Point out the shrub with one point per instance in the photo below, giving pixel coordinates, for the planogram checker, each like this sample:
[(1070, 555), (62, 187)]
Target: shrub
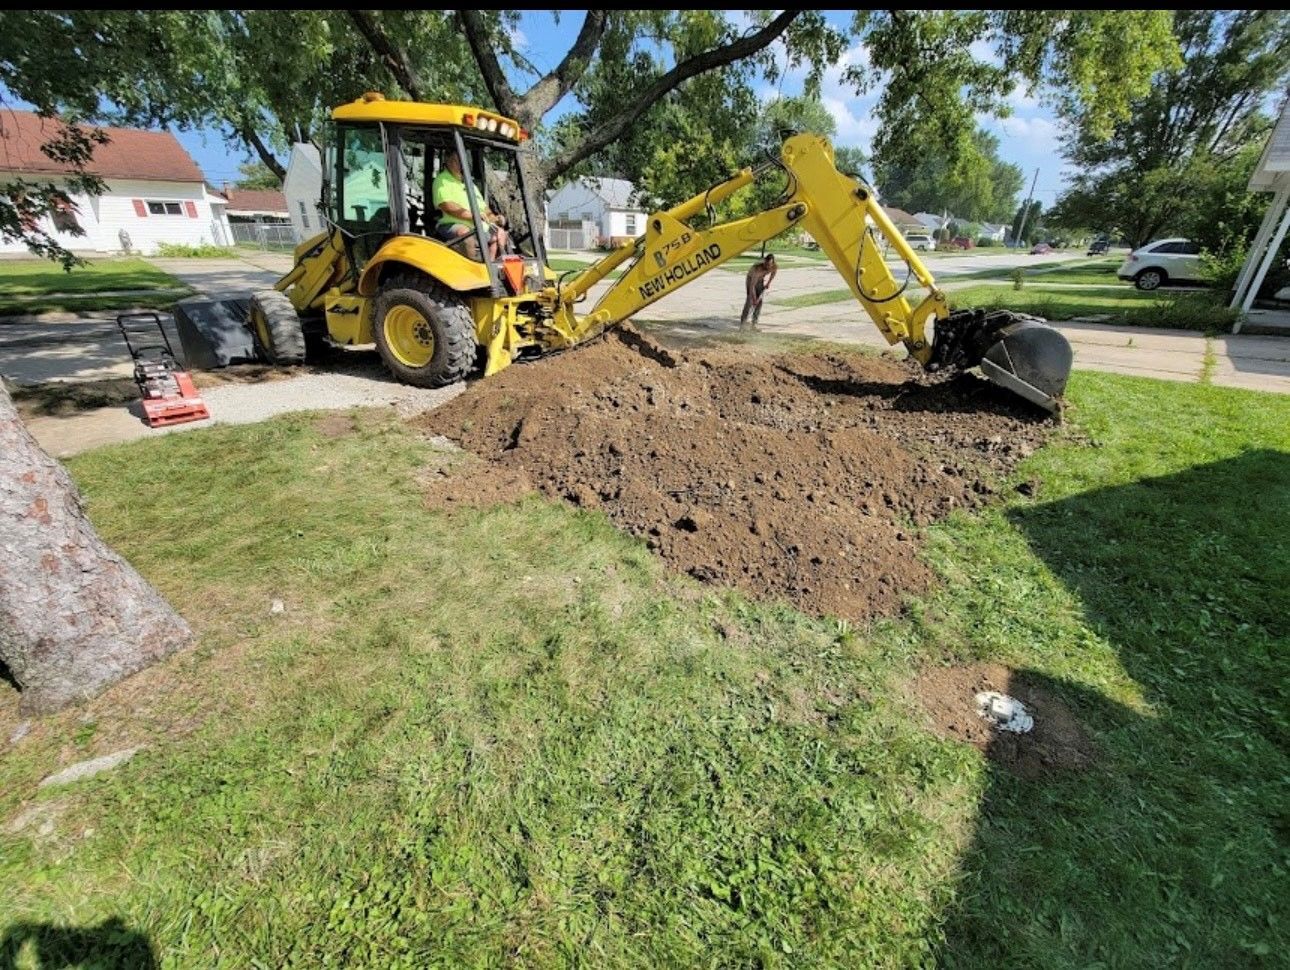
[(988, 241), (183, 250), (1220, 269), (1018, 278)]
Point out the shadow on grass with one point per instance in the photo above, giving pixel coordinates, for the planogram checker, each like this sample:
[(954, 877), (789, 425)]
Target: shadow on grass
[(1171, 849), (45, 946)]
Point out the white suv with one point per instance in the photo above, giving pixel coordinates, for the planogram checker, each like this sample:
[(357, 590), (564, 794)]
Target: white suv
[(1162, 261), (917, 242)]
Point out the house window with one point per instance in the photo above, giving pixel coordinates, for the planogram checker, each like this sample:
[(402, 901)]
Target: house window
[(304, 212), (165, 208), (64, 217), (631, 223), (587, 216)]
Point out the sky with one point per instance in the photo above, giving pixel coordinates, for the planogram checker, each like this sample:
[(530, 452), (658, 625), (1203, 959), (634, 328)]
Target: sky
[(1027, 138)]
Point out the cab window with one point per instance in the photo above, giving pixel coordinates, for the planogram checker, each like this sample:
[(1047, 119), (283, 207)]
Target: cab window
[(364, 184)]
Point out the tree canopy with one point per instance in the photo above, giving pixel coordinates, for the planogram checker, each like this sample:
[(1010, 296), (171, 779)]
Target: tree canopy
[(1181, 160), (673, 86), (973, 183)]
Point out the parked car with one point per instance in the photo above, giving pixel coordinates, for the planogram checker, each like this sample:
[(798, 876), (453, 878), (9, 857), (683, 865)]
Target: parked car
[(1098, 247), (920, 241), (961, 242), (1162, 261), (1038, 249)]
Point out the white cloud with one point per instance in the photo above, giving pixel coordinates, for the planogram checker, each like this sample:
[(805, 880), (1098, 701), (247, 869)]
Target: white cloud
[(1038, 131), (854, 127), (1019, 100), (519, 40), (983, 50)]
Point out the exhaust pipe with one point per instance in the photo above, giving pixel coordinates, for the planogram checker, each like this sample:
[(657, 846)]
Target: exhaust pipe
[(1018, 352)]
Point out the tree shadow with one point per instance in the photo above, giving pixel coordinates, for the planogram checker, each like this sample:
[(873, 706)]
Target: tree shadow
[(45, 946), (1170, 848)]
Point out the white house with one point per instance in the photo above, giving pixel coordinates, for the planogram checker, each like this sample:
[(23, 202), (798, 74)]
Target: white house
[(990, 230), (155, 191), (1271, 175), (606, 202), (302, 187)]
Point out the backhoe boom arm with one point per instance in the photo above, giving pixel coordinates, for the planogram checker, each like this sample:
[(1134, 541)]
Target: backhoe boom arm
[(842, 215)]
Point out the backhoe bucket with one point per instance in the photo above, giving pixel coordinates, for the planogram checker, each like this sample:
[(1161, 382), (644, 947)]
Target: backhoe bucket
[(1031, 359)]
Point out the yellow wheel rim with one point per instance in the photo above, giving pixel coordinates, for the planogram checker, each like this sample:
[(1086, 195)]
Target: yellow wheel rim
[(409, 336), (262, 330)]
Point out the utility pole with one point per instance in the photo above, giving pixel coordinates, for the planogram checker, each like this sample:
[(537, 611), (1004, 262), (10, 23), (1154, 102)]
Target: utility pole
[(1025, 212)]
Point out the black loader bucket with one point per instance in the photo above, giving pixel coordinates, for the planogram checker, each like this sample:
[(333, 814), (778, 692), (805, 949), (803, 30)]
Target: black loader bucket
[(1018, 352), (1029, 358)]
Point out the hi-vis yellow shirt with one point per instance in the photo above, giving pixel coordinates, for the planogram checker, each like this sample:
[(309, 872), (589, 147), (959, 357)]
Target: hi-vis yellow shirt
[(446, 187)]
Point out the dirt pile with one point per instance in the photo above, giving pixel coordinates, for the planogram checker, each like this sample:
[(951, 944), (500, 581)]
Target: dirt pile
[(793, 476), (1057, 742)]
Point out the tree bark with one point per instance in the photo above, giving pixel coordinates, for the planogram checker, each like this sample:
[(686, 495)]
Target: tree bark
[(74, 616)]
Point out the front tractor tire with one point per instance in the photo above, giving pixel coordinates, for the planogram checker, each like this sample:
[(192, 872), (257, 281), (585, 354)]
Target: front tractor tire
[(279, 335), (424, 332)]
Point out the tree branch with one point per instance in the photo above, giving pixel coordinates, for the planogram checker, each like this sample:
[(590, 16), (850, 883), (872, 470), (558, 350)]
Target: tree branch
[(391, 55), (249, 135), (499, 89), (707, 61), (547, 92)]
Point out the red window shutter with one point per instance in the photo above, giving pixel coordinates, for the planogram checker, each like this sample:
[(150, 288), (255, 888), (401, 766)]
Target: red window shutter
[(192, 209), (140, 209)]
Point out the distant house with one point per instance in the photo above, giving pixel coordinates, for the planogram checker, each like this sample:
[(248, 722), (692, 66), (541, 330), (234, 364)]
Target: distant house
[(606, 202), (256, 205), (905, 222), (155, 193), (995, 233), (932, 222)]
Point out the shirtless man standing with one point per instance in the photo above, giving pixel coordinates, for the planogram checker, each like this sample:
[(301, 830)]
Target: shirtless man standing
[(757, 283)]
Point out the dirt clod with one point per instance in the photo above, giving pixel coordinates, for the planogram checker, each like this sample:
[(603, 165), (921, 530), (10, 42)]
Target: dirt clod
[(1058, 742), (799, 477)]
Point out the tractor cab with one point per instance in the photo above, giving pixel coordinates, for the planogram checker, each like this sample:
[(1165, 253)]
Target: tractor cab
[(381, 167)]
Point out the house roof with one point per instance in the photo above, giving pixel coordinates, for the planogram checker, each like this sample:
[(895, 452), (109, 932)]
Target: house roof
[(129, 154), (932, 221), (255, 200), (615, 193), (1275, 159), (899, 216)]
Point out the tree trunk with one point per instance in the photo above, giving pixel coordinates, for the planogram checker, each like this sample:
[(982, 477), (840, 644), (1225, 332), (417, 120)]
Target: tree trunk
[(536, 182), (74, 616)]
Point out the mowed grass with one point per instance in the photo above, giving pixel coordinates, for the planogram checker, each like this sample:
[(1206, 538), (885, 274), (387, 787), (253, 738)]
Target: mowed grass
[(36, 285), (1203, 311), (1088, 270), (508, 736)]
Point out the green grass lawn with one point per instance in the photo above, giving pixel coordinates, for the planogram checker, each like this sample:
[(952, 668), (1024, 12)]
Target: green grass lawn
[(1127, 307), (1083, 271), (27, 285), (508, 736)]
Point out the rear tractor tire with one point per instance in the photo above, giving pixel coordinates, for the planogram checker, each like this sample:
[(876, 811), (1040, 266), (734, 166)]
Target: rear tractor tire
[(279, 335), (424, 332)]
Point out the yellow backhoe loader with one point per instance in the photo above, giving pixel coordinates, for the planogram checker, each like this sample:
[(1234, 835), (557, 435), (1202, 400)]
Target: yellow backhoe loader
[(439, 305)]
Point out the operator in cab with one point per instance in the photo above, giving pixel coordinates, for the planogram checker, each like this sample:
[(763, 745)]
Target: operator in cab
[(448, 194)]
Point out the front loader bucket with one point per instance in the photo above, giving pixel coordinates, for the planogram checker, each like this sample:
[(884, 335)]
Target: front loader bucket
[(1031, 359)]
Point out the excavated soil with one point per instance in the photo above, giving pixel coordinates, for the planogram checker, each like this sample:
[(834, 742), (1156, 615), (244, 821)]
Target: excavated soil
[(801, 477), (1058, 742)]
